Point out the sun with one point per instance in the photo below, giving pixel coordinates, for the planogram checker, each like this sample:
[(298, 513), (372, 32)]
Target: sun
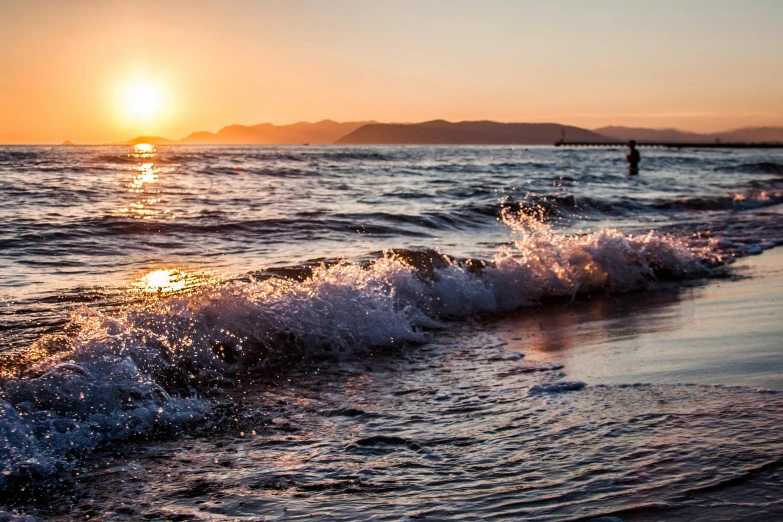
[(142, 100)]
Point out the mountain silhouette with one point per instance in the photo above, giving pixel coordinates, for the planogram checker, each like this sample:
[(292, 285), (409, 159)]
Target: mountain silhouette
[(152, 140), (753, 134), (441, 132), (642, 134), (322, 132), (746, 135)]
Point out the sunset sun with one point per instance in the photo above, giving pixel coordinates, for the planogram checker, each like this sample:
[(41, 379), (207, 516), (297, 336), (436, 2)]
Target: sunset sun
[(142, 100)]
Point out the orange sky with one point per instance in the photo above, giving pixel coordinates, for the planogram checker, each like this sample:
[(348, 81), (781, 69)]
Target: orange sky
[(66, 66)]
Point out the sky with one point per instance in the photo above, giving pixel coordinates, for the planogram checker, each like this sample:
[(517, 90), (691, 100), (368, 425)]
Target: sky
[(103, 71)]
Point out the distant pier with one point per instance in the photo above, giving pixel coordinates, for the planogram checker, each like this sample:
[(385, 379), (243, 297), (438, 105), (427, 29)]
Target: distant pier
[(710, 145)]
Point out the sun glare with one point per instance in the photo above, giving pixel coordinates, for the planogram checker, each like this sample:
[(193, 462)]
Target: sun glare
[(171, 280), (164, 280), (142, 101)]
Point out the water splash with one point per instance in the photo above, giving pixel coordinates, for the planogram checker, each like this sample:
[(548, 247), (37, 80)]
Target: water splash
[(155, 365)]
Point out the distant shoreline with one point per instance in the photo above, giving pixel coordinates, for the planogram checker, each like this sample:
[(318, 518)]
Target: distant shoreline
[(441, 132), (737, 146)]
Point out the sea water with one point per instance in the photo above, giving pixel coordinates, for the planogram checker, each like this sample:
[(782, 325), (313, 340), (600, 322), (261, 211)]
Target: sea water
[(204, 333)]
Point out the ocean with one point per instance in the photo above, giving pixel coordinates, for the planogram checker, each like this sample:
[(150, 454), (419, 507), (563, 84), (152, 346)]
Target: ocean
[(286, 333)]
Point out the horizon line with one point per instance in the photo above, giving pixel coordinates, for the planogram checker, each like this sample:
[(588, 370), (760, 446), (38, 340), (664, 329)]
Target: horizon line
[(68, 142)]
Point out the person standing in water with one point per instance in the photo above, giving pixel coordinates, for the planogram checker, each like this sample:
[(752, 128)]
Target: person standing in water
[(633, 158)]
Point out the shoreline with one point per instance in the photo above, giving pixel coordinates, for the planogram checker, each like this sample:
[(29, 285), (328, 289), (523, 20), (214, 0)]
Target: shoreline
[(725, 332)]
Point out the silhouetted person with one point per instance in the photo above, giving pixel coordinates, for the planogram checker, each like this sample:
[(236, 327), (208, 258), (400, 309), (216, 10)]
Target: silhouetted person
[(633, 158)]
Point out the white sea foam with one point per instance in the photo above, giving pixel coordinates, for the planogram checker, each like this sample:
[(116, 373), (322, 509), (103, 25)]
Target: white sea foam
[(150, 367)]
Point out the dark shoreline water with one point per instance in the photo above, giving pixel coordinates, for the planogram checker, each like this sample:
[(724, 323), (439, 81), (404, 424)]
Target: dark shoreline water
[(250, 332), (459, 429)]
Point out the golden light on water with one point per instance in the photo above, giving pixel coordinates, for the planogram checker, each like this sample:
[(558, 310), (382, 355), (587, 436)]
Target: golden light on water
[(171, 280), (164, 280), (143, 150), (146, 173)]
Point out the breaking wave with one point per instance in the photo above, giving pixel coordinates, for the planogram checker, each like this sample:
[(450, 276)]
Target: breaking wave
[(161, 365)]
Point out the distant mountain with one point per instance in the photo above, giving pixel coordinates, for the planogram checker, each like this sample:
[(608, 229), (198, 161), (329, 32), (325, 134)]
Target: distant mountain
[(642, 134), (441, 132), (152, 140), (747, 135), (322, 132), (752, 134)]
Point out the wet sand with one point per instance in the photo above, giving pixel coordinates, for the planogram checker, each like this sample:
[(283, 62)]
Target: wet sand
[(727, 331)]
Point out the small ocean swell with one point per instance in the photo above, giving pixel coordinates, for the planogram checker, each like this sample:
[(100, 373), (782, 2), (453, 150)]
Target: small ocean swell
[(762, 194), (161, 365), (569, 206), (13, 155), (118, 158), (739, 201), (761, 167)]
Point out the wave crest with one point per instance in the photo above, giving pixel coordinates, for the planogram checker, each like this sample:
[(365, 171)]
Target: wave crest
[(155, 366)]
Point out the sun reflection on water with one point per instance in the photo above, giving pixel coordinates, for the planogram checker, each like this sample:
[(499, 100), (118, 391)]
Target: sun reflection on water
[(144, 174), (144, 150), (164, 281), (170, 280)]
